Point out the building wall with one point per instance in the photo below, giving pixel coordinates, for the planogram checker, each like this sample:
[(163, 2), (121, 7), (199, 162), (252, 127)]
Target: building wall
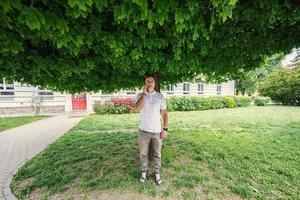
[(23, 96), (208, 90), (22, 99)]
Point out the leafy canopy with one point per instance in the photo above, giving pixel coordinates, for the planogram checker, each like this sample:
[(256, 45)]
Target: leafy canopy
[(77, 45)]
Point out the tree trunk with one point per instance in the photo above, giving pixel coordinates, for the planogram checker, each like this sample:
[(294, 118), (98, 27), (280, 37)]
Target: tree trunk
[(157, 82), (243, 92)]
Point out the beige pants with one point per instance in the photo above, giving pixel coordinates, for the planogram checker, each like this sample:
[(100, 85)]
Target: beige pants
[(149, 140)]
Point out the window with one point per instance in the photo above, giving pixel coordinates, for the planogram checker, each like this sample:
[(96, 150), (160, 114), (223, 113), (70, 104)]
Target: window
[(45, 93), (200, 88), (1, 84), (130, 93), (9, 86), (219, 89), (186, 88), (171, 88), (6, 89), (6, 93)]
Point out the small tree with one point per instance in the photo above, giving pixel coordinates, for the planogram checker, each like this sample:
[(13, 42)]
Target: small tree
[(37, 102), (282, 86)]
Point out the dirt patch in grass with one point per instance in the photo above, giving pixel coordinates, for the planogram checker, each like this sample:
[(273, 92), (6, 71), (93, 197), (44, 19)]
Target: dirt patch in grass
[(24, 183), (75, 194), (120, 130), (35, 194)]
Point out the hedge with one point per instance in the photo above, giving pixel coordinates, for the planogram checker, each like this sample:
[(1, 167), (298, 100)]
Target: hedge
[(261, 101), (126, 105), (206, 103)]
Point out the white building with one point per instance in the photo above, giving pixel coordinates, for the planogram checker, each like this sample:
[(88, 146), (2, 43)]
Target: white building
[(22, 99)]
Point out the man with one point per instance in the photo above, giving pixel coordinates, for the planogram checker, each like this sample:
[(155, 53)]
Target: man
[(151, 106)]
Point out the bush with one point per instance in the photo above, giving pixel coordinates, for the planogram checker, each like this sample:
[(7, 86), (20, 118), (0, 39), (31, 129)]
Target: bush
[(216, 102), (128, 102), (126, 105), (241, 101), (99, 108), (261, 101), (110, 108), (205, 103), (229, 102), (181, 103), (282, 86)]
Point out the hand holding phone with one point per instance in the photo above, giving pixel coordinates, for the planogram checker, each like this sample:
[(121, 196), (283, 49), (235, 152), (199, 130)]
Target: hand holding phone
[(145, 89)]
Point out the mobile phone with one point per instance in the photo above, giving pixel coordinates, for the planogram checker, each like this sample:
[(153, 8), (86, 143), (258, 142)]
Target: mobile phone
[(146, 86)]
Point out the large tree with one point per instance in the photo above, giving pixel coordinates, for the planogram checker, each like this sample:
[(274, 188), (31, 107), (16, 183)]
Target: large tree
[(78, 45)]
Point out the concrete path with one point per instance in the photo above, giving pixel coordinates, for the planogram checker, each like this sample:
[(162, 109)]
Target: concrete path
[(20, 144)]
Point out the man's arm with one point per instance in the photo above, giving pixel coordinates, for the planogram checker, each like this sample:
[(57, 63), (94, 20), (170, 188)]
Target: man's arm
[(140, 103), (165, 118)]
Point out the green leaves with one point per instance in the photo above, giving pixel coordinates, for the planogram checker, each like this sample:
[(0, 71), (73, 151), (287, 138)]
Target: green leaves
[(82, 5), (150, 24), (5, 5), (224, 10), (282, 86), (62, 26), (227, 12), (32, 17), (248, 81), (10, 4), (101, 4), (136, 54), (212, 22), (142, 4), (125, 39)]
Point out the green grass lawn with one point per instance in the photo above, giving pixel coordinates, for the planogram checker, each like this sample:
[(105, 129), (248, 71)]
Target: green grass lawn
[(240, 153), (11, 122)]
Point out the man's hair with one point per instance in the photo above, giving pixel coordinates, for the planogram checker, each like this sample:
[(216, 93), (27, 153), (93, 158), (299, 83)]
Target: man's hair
[(149, 75)]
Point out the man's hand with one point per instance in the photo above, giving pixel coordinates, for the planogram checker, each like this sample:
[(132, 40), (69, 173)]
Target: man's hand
[(163, 134), (145, 89)]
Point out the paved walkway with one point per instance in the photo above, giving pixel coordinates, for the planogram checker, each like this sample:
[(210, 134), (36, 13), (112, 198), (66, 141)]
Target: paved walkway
[(22, 143)]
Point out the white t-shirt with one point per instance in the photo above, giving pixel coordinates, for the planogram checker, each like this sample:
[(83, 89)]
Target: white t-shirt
[(150, 120)]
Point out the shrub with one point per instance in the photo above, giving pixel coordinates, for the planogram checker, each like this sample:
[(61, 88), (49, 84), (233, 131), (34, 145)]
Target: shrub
[(126, 105), (99, 108), (181, 103), (229, 102), (282, 86), (216, 102), (204, 103), (241, 101), (110, 108), (128, 102), (261, 101)]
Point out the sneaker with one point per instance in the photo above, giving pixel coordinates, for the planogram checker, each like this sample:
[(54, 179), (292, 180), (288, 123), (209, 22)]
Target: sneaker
[(158, 179), (143, 177)]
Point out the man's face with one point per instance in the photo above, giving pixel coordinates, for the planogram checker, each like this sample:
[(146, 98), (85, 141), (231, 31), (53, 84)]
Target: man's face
[(150, 83)]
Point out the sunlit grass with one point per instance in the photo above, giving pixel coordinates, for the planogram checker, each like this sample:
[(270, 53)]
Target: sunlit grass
[(11, 122), (251, 153)]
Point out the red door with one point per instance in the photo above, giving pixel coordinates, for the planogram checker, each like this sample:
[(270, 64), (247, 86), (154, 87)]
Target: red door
[(79, 101)]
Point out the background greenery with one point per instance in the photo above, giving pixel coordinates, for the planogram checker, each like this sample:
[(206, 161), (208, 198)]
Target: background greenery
[(283, 86)]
